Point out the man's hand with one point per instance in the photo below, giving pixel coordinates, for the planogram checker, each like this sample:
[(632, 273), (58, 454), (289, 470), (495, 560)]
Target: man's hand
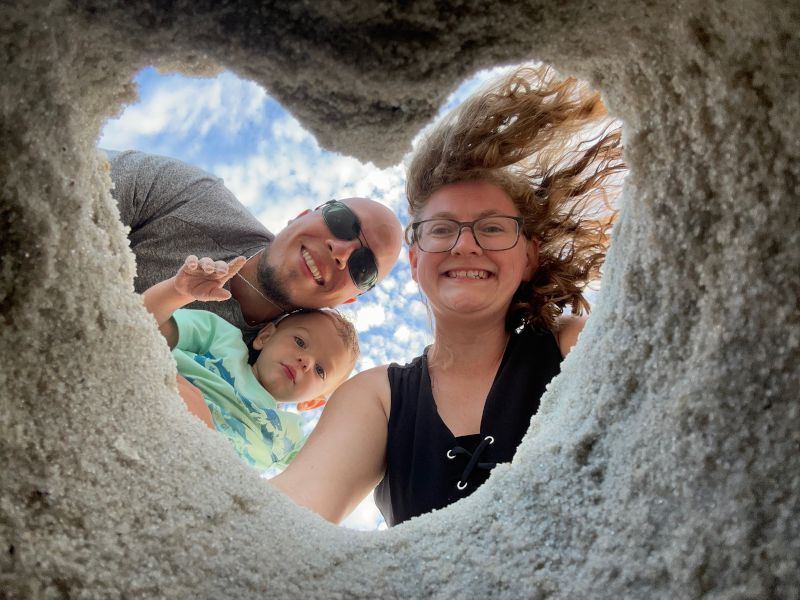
[(203, 278)]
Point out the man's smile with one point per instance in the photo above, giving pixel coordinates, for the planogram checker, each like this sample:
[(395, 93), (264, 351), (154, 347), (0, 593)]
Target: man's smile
[(312, 266)]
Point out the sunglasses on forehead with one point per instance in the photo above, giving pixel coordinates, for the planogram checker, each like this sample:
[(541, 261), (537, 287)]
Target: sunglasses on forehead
[(344, 224)]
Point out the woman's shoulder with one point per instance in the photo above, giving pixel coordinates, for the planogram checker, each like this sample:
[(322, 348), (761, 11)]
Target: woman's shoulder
[(375, 384), (369, 375), (415, 363), (379, 382), (367, 386), (566, 332)]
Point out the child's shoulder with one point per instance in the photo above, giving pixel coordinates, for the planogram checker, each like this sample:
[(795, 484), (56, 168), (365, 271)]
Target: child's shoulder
[(202, 317), (204, 324)]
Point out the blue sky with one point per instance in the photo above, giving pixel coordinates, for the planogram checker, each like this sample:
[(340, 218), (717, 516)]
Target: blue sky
[(233, 129)]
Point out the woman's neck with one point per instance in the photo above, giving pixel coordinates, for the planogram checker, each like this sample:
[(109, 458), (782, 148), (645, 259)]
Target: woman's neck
[(458, 346)]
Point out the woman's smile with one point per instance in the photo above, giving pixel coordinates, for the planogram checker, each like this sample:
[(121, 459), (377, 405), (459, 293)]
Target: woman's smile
[(467, 278), (469, 274)]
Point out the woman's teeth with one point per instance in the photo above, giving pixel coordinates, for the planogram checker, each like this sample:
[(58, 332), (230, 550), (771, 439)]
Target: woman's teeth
[(469, 274), (312, 266)]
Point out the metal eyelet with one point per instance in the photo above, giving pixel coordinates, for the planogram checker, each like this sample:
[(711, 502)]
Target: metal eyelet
[(450, 454), (490, 438), (461, 487)]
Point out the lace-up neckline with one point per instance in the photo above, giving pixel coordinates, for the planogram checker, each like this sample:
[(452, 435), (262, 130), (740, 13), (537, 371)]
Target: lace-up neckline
[(419, 475), (474, 458)]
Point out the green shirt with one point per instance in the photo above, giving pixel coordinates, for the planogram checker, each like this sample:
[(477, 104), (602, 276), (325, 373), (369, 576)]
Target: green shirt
[(211, 354)]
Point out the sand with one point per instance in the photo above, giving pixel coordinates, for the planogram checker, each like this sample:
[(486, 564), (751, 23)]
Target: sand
[(665, 461)]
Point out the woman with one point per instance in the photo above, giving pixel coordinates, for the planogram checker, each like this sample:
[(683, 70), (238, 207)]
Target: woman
[(509, 222)]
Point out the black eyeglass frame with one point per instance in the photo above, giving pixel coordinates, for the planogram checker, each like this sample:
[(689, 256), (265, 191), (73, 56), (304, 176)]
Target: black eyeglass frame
[(360, 258), (413, 238)]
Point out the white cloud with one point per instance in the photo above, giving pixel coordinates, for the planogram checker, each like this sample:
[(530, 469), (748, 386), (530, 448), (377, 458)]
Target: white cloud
[(366, 362), (402, 334), (388, 284), (369, 316), (186, 108), (280, 169), (410, 288), (243, 179), (418, 310), (290, 129)]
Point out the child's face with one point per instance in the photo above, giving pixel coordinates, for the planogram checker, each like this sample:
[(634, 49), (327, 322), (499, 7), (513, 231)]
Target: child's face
[(301, 358)]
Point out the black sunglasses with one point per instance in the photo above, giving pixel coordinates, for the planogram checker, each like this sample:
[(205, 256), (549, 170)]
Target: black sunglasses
[(344, 224)]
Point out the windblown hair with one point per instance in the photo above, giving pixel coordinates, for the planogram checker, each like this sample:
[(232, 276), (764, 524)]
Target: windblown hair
[(550, 145)]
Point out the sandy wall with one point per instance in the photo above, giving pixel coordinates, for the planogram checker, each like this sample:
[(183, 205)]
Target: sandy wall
[(665, 461)]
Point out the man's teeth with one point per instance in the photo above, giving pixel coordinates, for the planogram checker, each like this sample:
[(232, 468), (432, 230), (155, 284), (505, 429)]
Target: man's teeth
[(312, 266), (469, 274)]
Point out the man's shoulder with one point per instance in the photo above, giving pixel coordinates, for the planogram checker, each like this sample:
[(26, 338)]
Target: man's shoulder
[(143, 165), (150, 189)]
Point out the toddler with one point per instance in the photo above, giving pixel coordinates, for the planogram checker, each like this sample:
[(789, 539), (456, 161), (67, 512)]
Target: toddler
[(303, 357)]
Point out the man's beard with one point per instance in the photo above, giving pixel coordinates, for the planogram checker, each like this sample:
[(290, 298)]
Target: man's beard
[(270, 283)]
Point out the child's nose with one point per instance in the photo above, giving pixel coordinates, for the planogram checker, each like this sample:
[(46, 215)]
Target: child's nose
[(304, 361)]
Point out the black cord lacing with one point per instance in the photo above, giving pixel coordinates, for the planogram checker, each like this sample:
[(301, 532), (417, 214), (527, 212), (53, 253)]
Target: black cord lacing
[(474, 457)]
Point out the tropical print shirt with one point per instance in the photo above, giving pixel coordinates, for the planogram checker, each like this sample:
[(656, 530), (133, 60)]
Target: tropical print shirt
[(211, 354)]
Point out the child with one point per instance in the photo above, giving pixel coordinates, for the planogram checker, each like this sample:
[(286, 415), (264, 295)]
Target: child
[(303, 357)]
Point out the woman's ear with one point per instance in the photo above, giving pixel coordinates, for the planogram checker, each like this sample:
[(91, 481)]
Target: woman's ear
[(263, 335), (532, 254), (412, 260)]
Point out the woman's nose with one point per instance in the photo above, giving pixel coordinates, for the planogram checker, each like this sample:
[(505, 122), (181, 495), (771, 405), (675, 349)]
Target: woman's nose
[(466, 242)]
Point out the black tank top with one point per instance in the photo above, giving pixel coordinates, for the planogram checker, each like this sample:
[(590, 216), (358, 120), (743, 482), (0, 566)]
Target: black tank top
[(426, 466)]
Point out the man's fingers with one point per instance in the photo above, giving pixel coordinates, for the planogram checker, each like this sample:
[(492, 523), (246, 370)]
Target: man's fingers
[(221, 267)]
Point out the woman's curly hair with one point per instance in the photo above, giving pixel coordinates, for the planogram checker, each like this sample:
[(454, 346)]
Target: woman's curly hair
[(550, 145)]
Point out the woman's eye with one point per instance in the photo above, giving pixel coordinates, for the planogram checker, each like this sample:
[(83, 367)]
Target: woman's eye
[(440, 229), (301, 343), (319, 371), (492, 228)]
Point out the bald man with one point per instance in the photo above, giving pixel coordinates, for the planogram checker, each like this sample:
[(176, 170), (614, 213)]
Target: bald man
[(325, 257)]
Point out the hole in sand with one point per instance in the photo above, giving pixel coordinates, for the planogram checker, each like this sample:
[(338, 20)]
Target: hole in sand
[(232, 128)]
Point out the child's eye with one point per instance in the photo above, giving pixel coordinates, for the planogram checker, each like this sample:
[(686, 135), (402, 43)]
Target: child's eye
[(319, 371), (301, 343)]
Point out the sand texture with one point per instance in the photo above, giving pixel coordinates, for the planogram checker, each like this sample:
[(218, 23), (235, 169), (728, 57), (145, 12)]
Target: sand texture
[(665, 462)]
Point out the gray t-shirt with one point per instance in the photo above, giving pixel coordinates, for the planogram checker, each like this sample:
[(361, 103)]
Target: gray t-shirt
[(173, 210)]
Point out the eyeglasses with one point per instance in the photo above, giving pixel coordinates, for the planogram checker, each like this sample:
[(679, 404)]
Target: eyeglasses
[(441, 235), (344, 224)]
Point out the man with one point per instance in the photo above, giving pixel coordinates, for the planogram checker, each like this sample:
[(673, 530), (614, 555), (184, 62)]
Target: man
[(323, 258)]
